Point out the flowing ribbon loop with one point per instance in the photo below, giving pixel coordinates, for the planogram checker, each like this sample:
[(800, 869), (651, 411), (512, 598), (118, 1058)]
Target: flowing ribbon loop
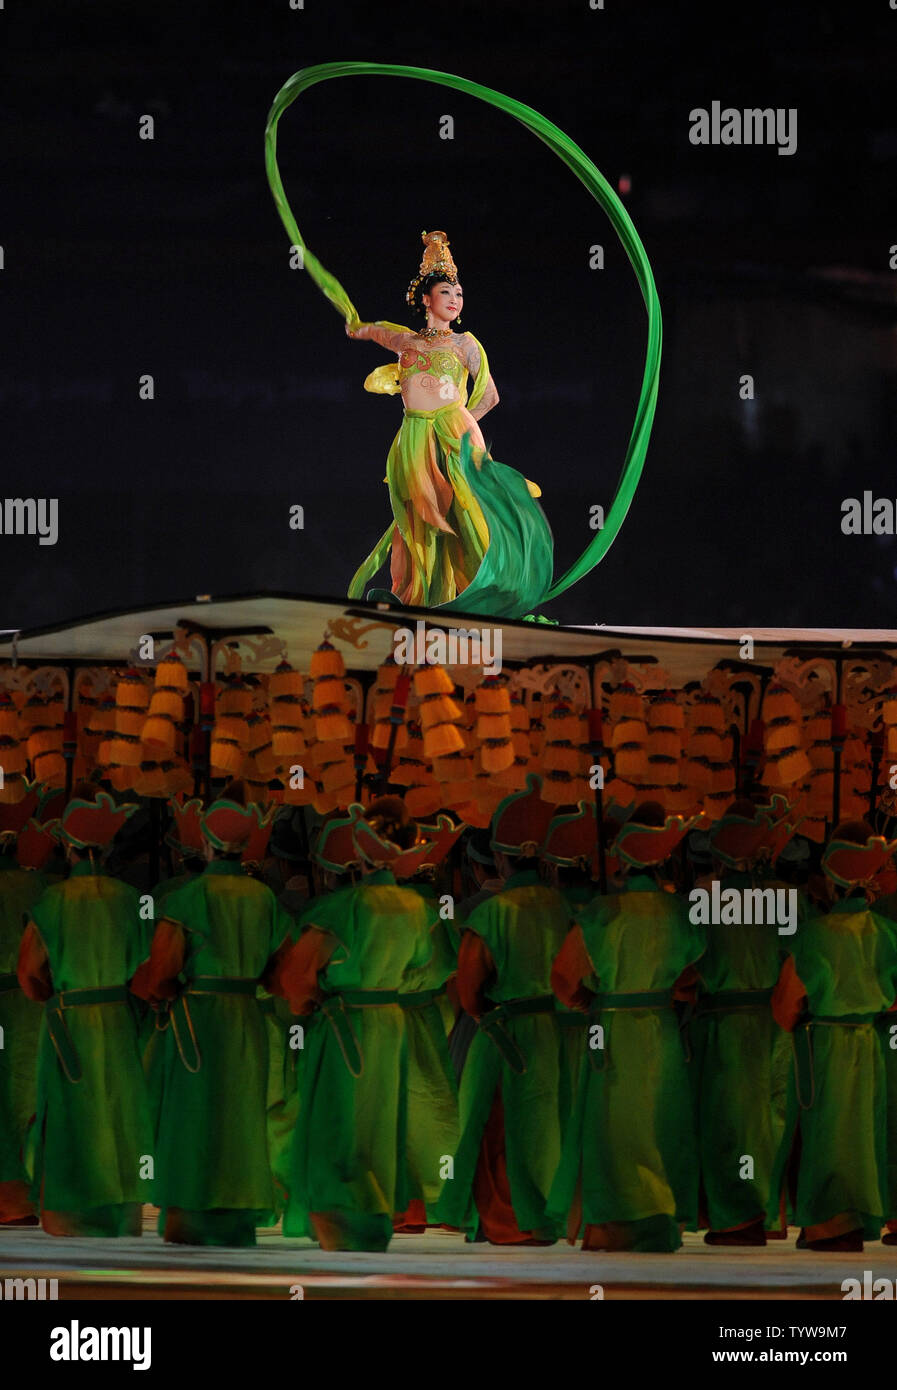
[(596, 184)]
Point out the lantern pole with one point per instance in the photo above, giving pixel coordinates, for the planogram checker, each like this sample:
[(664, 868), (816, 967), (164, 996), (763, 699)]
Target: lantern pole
[(596, 743)]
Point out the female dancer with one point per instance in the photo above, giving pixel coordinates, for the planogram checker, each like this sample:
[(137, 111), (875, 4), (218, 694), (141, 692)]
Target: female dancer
[(492, 537), (459, 516)]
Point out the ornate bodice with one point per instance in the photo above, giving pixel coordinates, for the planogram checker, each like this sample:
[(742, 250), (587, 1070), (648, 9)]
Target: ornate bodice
[(438, 363)]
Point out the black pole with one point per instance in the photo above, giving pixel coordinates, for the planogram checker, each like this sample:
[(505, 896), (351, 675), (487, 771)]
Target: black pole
[(736, 755), (155, 835), (877, 750), (396, 717), (70, 746), (596, 740), (602, 852), (207, 764), (838, 747), (836, 789)]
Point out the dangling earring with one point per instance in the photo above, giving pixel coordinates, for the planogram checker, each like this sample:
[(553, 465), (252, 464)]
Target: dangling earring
[(458, 319)]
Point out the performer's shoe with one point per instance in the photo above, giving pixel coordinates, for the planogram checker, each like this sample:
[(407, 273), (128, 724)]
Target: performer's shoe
[(412, 1221), (889, 1238), (754, 1234), (851, 1242), (20, 1221)]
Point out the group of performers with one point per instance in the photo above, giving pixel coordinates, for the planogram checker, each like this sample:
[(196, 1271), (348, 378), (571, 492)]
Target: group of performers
[(457, 1030)]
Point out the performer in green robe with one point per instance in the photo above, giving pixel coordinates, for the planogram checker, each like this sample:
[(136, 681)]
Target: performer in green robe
[(189, 861), (790, 870), (840, 977), (282, 1098), (511, 1088), (886, 1025), (629, 1169), (431, 1088), (479, 880), (208, 1059), (570, 854), (20, 1017), (337, 863), (733, 1033), (283, 1035), (349, 1173), (90, 1150)]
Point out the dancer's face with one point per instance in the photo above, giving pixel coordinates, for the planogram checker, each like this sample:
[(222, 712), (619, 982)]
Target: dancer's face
[(445, 301)]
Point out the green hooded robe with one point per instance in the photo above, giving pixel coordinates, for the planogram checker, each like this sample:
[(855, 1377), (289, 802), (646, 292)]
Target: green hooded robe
[(733, 1039), (348, 1160), (630, 1141), (432, 1094), (847, 962), (887, 1032), (523, 927), (20, 1018), (211, 1095), (92, 1142), (286, 1044), (572, 1023)]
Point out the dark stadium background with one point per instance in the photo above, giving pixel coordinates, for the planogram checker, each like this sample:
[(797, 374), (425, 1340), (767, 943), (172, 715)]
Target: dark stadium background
[(125, 257)]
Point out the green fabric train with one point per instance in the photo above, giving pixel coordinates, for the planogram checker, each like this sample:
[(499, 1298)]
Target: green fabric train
[(503, 586)]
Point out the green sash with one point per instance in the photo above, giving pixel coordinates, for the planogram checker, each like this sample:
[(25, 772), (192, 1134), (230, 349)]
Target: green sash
[(422, 997), (492, 1024), (57, 1028), (802, 1050), (728, 1000), (334, 1009), (177, 1012), (618, 1003)]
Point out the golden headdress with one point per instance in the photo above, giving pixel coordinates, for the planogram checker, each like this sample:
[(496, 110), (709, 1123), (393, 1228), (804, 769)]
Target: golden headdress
[(437, 260)]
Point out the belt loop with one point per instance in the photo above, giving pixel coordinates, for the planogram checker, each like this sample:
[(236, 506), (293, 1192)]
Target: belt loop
[(177, 1037), (492, 1025), (62, 1041), (334, 1009)]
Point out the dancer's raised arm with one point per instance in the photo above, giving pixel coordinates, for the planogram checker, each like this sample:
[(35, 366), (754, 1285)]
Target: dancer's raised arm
[(386, 337)]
